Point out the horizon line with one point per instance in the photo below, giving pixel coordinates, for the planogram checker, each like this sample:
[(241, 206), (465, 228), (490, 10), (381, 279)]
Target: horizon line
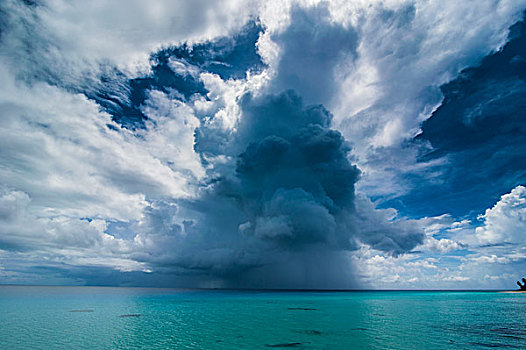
[(263, 289)]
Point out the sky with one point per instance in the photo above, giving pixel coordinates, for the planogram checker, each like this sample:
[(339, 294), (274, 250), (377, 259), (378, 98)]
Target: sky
[(254, 144)]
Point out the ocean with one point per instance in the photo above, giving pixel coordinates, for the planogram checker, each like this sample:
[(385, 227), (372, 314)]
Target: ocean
[(35, 317)]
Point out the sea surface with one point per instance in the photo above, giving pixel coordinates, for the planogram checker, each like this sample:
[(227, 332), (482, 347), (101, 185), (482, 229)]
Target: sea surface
[(140, 318)]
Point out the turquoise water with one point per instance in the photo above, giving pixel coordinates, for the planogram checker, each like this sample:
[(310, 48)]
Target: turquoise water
[(137, 318)]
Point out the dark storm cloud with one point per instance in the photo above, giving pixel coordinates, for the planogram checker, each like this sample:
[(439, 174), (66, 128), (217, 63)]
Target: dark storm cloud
[(282, 211), (293, 178), (291, 187), (481, 129)]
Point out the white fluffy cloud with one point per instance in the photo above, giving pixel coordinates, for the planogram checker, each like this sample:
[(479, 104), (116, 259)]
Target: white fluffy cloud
[(506, 221), (459, 254), (57, 147), (66, 176), (71, 36)]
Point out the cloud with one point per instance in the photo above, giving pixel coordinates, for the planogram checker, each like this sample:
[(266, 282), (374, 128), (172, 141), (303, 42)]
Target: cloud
[(479, 131), (443, 245), (462, 254), (382, 230), (405, 53), (68, 173), (295, 176), (279, 212), (293, 166), (58, 147), (187, 72), (74, 34), (311, 49), (505, 222), (58, 239)]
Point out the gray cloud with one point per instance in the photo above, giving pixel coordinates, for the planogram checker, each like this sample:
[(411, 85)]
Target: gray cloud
[(284, 204), (312, 48), (293, 179)]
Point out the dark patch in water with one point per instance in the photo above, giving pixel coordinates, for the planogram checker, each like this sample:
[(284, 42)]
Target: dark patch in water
[(510, 333), (131, 315), (492, 345), (302, 308), (511, 337), (81, 310), (359, 329), (309, 332), (283, 345)]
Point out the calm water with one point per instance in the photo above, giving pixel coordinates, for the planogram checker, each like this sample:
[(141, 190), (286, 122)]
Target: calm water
[(135, 318)]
